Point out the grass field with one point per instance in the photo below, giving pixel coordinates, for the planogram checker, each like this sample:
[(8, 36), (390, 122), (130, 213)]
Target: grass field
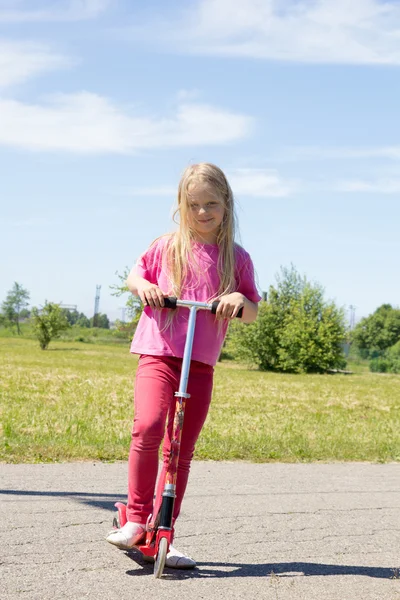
[(74, 402)]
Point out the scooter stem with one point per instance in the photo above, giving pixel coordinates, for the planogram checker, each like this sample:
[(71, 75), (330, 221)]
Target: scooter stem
[(169, 493), (187, 354)]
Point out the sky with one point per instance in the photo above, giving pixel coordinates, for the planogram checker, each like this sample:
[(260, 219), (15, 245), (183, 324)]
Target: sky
[(103, 104)]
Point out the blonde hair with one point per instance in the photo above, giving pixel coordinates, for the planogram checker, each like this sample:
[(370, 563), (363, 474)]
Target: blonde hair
[(179, 252)]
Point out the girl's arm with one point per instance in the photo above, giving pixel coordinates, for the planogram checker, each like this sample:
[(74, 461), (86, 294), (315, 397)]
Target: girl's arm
[(149, 293), (250, 311), (230, 304)]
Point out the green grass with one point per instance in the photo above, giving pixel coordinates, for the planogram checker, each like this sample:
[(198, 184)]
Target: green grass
[(88, 335), (74, 402)]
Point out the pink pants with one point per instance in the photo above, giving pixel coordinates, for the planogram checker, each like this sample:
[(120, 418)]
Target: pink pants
[(157, 379)]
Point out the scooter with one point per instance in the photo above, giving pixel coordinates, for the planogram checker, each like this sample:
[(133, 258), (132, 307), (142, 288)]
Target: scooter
[(159, 532)]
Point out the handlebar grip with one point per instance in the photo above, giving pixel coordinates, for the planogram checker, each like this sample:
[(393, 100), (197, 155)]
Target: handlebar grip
[(170, 302), (215, 305)]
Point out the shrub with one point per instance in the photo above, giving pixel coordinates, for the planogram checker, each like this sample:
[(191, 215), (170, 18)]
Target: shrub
[(48, 323), (389, 362), (296, 330), (379, 365)]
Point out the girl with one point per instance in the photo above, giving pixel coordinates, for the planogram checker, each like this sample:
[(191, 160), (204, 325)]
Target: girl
[(202, 262)]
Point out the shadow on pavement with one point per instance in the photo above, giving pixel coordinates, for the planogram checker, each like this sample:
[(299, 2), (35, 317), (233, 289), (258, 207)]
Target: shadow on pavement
[(82, 497), (209, 570)]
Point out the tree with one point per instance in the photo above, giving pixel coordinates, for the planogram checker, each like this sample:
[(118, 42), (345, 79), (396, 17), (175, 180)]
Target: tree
[(48, 323), (134, 306), (83, 321), (15, 302), (296, 330), (76, 318), (378, 331), (102, 321), (71, 315)]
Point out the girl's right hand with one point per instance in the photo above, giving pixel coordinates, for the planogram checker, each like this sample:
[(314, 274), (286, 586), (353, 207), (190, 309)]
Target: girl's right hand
[(151, 295)]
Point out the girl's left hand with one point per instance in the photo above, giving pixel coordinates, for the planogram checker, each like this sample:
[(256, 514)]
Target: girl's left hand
[(229, 306)]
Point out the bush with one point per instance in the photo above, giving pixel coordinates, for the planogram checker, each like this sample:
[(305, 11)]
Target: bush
[(296, 330), (48, 323), (379, 365), (394, 351), (394, 366), (389, 362)]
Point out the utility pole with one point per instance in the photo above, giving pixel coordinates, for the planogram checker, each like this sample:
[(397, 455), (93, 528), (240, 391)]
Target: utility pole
[(352, 316), (96, 305)]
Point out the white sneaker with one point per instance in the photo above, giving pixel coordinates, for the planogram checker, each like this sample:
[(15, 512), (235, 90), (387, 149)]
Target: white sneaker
[(175, 559), (127, 536)]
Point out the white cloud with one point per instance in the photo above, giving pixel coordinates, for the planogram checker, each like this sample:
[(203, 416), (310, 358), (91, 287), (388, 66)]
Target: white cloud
[(259, 183), (161, 190), (337, 153), (187, 95), (89, 123), (22, 60), (59, 10), (383, 186), (318, 31)]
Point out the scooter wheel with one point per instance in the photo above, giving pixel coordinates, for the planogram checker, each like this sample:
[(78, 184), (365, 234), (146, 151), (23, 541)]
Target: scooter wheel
[(115, 522), (161, 556)]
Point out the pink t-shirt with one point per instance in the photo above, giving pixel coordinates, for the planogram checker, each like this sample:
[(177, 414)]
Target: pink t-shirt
[(202, 283)]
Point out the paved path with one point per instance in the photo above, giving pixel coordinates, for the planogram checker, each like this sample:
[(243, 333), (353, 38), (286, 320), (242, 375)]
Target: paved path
[(258, 531)]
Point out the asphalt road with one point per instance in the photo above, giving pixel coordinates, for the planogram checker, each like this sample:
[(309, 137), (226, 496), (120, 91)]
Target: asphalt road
[(267, 531)]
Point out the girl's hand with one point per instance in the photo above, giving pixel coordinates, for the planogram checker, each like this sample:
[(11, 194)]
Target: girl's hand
[(151, 295), (229, 306)]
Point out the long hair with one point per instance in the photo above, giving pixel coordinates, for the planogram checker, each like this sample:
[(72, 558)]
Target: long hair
[(179, 253)]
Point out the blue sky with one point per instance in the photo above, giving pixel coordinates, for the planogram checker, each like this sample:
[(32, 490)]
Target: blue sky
[(103, 103)]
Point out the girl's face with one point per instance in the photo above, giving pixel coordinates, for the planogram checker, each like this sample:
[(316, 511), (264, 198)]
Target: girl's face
[(205, 213)]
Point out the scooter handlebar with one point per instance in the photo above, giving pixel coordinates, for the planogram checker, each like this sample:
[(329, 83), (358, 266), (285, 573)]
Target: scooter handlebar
[(170, 302), (214, 307)]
